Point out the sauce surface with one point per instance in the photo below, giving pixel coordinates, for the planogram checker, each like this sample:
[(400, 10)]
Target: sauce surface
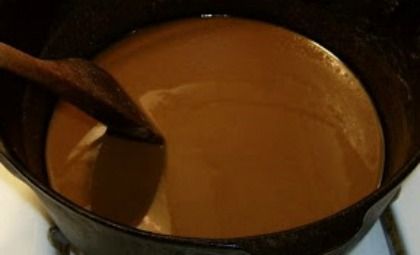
[(265, 131)]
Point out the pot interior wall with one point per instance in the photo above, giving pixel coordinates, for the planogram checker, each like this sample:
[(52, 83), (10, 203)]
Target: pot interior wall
[(372, 38)]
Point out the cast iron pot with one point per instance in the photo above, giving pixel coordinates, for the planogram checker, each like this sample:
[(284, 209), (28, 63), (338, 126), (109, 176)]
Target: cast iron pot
[(378, 40)]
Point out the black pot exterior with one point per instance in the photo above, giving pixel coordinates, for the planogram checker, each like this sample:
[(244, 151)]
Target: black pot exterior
[(378, 40)]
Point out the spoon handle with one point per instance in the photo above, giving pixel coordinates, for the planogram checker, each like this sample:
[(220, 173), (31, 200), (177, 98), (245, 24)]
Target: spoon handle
[(24, 65)]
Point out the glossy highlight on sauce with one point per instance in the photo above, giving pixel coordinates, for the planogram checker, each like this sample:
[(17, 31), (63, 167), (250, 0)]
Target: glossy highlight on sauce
[(265, 131)]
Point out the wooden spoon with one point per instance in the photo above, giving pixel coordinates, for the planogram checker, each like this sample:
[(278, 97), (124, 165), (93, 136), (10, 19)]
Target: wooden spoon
[(85, 85)]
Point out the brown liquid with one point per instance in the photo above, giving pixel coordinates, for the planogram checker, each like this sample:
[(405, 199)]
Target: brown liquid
[(265, 131)]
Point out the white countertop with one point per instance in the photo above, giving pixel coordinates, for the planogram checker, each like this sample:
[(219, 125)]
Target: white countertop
[(23, 222)]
